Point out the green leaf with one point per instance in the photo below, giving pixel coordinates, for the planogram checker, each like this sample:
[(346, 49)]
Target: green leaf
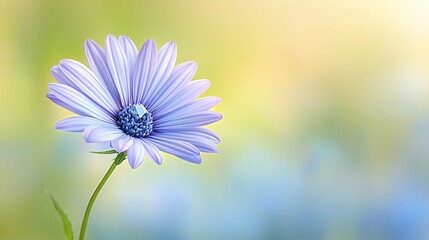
[(105, 152), (68, 229)]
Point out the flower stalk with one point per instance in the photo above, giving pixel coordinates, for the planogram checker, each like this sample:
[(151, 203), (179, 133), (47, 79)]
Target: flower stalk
[(118, 160)]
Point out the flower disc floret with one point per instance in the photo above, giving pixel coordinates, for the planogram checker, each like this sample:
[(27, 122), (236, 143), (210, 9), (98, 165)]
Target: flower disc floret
[(135, 121)]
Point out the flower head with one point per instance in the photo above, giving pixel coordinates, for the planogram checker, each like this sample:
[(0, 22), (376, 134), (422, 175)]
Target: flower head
[(137, 101)]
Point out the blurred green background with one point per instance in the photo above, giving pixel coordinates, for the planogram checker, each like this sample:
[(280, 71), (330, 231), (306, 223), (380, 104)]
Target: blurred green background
[(325, 132)]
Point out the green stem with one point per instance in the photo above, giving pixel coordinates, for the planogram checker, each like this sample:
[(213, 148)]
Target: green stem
[(117, 161)]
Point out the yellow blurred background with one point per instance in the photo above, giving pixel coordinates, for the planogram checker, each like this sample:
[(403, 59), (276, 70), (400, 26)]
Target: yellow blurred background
[(325, 132)]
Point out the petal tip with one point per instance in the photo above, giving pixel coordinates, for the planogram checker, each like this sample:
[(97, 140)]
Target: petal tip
[(110, 36), (220, 116), (194, 64), (51, 86), (192, 159), (215, 150), (149, 44), (58, 125), (110, 39), (122, 144), (134, 164), (172, 44), (89, 43), (54, 69), (171, 47)]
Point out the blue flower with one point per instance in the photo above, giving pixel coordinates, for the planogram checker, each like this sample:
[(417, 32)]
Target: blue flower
[(136, 101)]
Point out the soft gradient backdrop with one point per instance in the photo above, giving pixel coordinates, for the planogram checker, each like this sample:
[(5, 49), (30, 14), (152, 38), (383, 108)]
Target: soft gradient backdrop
[(325, 132)]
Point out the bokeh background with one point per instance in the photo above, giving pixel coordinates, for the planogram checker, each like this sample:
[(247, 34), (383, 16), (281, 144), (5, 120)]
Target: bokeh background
[(325, 132)]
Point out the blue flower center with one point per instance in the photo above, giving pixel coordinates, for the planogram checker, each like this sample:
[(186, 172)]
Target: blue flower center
[(135, 121)]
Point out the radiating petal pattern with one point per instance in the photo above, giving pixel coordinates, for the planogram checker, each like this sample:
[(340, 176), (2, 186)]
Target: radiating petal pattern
[(136, 102)]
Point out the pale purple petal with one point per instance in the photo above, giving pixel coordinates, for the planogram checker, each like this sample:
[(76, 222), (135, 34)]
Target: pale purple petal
[(164, 67), (82, 79), (96, 133), (192, 120), (122, 76), (180, 149), (202, 143), (97, 61), (199, 105), (59, 76), (179, 78), (78, 123), (189, 93), (119, 68), (130, 50), (143, 70), (152, 151), (57, 101), (136, 153), (203, 132), (75, 101), (122, 143)]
